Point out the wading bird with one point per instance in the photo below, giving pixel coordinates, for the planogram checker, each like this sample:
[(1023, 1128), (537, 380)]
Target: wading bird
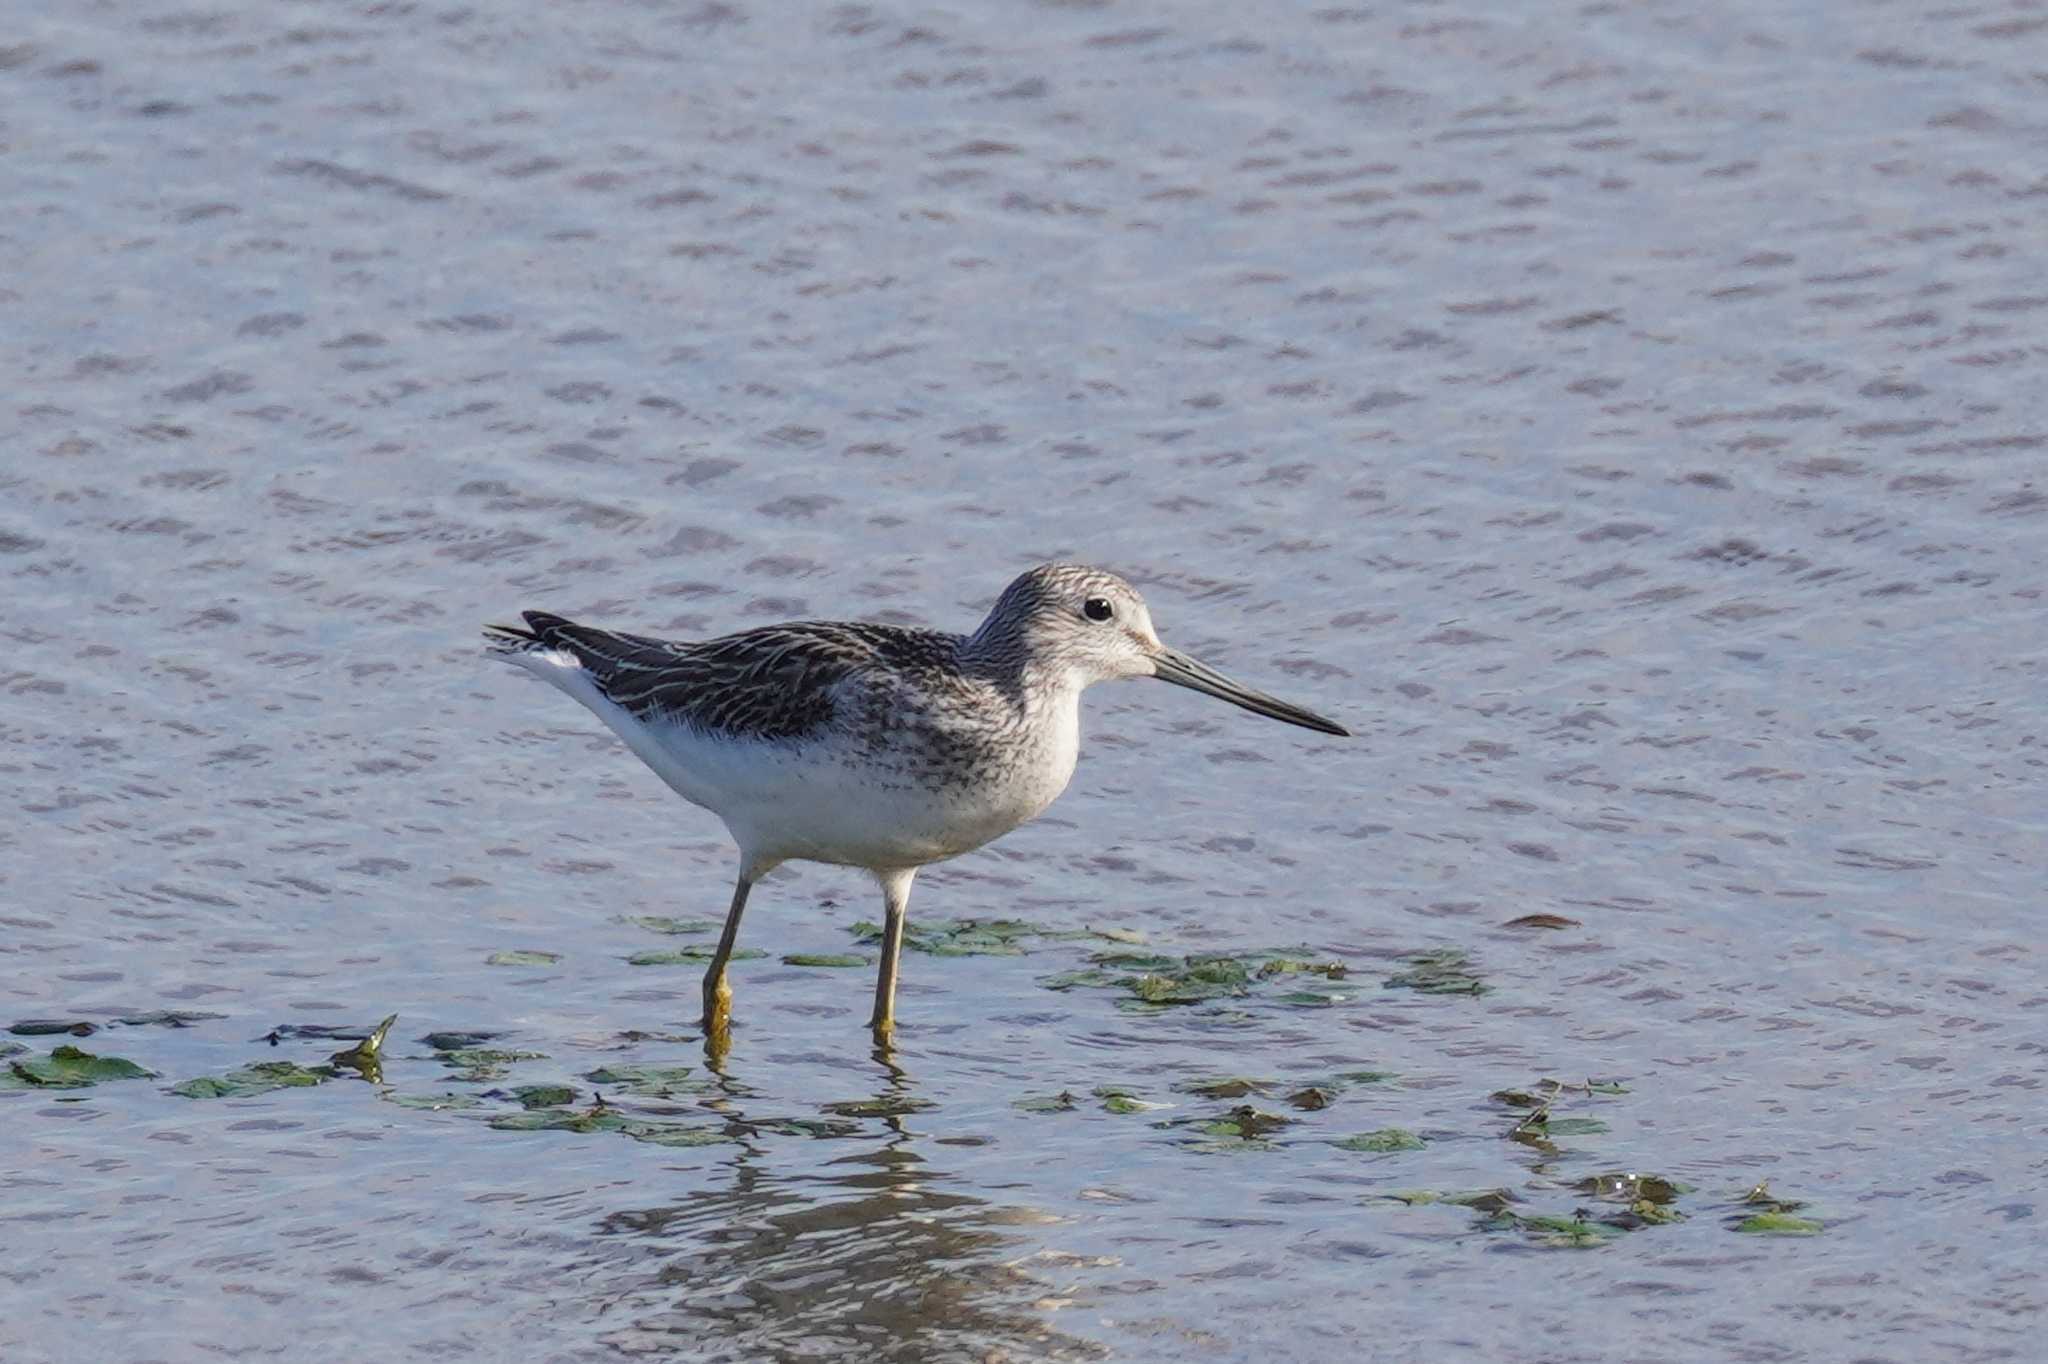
[(870, 745)]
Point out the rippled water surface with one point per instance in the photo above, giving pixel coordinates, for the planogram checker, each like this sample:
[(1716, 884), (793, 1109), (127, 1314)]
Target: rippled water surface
[(1627, 418)]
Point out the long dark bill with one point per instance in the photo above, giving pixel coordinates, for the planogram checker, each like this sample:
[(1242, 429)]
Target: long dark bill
[(1182, 671)]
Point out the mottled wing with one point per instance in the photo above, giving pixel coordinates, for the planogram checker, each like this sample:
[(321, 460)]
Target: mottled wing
[(776, 682)]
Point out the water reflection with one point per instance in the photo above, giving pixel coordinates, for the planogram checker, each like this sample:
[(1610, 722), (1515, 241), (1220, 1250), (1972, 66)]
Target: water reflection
[(875, 1255)]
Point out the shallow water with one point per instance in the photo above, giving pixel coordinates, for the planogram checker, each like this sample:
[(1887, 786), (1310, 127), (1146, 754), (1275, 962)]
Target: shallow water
[(1625, 419)]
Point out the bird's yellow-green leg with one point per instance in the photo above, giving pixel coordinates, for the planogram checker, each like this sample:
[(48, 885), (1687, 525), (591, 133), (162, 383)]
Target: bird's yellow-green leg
[(717, 991), (895, 905)]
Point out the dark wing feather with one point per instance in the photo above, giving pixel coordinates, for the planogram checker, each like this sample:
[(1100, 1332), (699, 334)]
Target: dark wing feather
[(775, 682)]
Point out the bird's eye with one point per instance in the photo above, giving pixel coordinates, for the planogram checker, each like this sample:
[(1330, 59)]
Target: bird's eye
[(1097, 608)]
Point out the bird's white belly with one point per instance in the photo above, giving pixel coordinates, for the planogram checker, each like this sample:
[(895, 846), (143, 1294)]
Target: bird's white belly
[(829, 799), (824, 801)]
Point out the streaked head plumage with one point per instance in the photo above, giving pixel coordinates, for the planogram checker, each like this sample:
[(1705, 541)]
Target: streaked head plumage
[(1087, 621), (1083, 625)]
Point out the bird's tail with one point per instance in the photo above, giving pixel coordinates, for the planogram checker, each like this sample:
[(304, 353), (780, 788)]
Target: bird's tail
[(511, 639), (541, 631)]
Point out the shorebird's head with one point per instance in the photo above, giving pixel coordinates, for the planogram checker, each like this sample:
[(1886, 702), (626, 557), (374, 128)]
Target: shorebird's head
[(1094, 626)]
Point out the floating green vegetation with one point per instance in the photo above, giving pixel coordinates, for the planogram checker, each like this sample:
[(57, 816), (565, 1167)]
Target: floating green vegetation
[(1384, 1141), (987, 937), (1626, 1186), (883, 1106), (1618, 1202), (1539, 1126), (1243, 1128), (1226, 1087), (457, 1041), (1317, 998), (544, 1096), (661, 923), (824, 959), (484, 1063), (595, 1119), (319, 1032), (1246, 1121), (1191, 982), (435, 1101), (1062, 1102), (1445, 971), (601, 1117), (958, 937), (806, 1127), (1483, 1201), (1562, 1127), (1310, 999), (1779, 1224), (1554, 1231), (69, 1068), (1284, 966), (693, 955), (1156, 981), (1540, 1130), (1645, 1200), (1635, 1201), (652, 1082), (259, 1077), (1113, 968), (1119, 1099), (166, 1018), (1546, 1091), (51, 1027), (1768, 1215), (1309, 1098), (522, 957)]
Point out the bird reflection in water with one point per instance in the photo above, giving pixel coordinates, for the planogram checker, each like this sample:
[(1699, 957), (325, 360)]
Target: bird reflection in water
[(866, 1255)]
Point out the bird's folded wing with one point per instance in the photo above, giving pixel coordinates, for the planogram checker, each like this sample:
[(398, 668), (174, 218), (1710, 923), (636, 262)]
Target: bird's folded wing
[(775, 682)]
